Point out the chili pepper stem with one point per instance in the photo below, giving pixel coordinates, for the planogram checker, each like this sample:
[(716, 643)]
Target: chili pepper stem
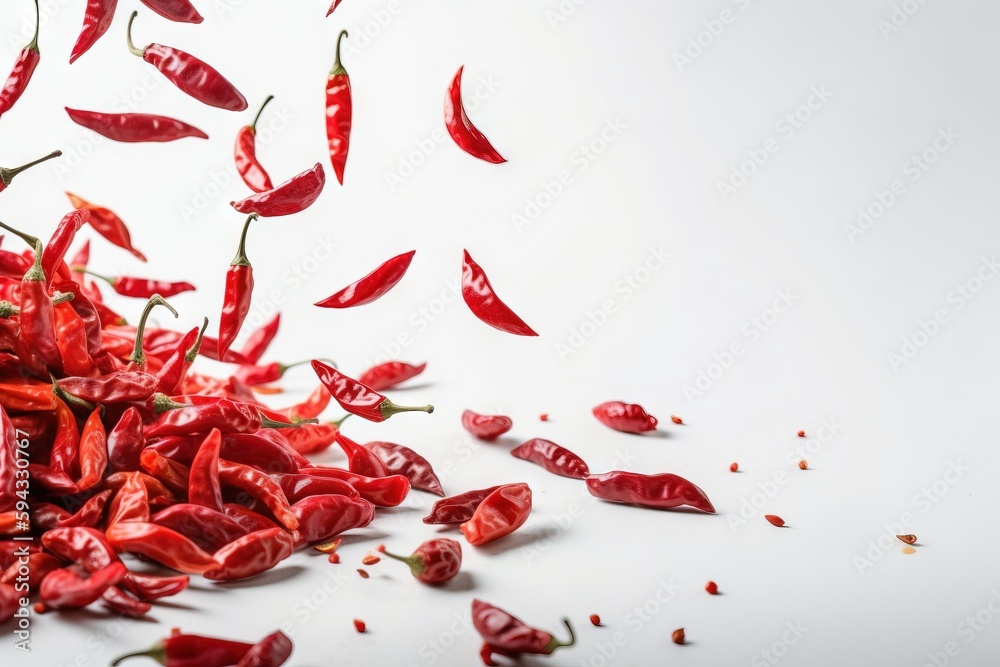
[(416, 564), (337, 67), (266, 422), (8, 174), (157, 652), (241, 251), (138, 357), (30, 240), (555, 643), (110, 281), (8, 309), (38, 20), (388, 408), (253, 125), (192, 352), (162, 403), (70, 398), (128, 37)]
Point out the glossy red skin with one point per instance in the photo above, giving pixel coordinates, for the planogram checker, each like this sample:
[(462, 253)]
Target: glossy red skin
[(121, 603), (500, 514), (293, 196), (68, 588), (181, 11), (106, 223), (210, 529), (625, 417), (297, 486), (388, 375), (478, 294), (20, 75), (333, 6), (259, 341), (125, 441), (486, 427), (163, 545), (96, 21), (663, 491), (195, 77), (258, 485), (321, 518), (247, 165), (458, 508), (55, 250), (552, 457), (120, 386), (436, 561), (135, 127), (380, 491), (195, 651), (236, 306), (144, 288), (204, 487), (372, 286), (360, 460), (338, 115), (251, 554), (353, 396), (462, 131), (271, 651), (508, 633), (400, 460)]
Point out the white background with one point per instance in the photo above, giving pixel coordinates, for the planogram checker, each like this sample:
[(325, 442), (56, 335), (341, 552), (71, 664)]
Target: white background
[(556, 81)]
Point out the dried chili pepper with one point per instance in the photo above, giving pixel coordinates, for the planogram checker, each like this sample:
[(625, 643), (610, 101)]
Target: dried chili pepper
[(338, 112), (462, 131), (144, 288), (400, 460), (204, 487), (775, 520), (10, 602), (333, 6), (123, 604), (372, 286), (58, 245), (625, 417), (239, 290), (459, 508), (258, 485), (509, 635), (297, 486), (116, 387), (258, 342), (485, 304), (192, 76), (23, 68), (553, 458), (174, 370), (380, 491), (134, 127), (180, 650), (7, 174), (106, 223), (358, 399), (125, 441), (486, 427), (37, 317), (245, 154), (271, 651), (434, 561), (293, 196), (253, 376), (69, 588), (165, 546), (96, 21), (499, 514), (323, 517), (251, 554), (359, 459), (663, 491), (93, 452), (390, 374), (181, 11)]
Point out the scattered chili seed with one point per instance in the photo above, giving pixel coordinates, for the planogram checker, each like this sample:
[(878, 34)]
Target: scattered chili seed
[(774, 520), (362, 573), (328, 547), (334, 558), (803, 465), (595, 619), (712, 588), (380, 548), (678, 636), (733, 467), (359, 625), (909, 550), (909, 539), (39, 608), (544, 417), (370, 559), (801, 434), (675, 419)]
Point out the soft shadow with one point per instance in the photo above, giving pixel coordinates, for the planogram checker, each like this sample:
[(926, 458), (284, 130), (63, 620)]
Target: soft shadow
[(516, 540), (419, 385), (463, 581), (356, 538), (268, 578), (656, 434)]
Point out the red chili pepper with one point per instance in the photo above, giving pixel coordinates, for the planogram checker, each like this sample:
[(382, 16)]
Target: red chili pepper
[(55, 250), (179, 650), (174, 476), (204, 487), (10, 602), (322, 518), (486, 427), (71, 339), (192, 76), (372, 286), (338, 112), (125, 441), (7, 174), (465, 134), (459, 508), (209, 529), (21, 73), (257, 484), (239, 290), (485, 304), (500, 514), (400, 460), (163, 545), (509, 635), (226, 415), (181, 11), (171, 376), (294, 195), (134, 127), (258, 342), (380, 491), (37, 316), (89, 514), (553, 458), (107, 224), (625, 417), (358, 399), (361, 460), (390, 374), (297, 486), (271, 651), (8, 462), (253, 376), (96, 21), (148, 587), (144, 288), (434, 561), (117, 387), (69, 588), (251, 555), (119, 602), (333, 6), (245, 153), (93, 452), (663, 491)]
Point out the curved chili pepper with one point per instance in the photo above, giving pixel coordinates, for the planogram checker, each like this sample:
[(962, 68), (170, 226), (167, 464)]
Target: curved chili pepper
[(239, 291), (338, 112), (93, 452), (390, 374), (380, 491), (500, 514), (462, 131), (245, 153), (149, 587), (486, 427), (251, 554), (333, 6), (175, 369), (204, 487), (459, 508), (131, 499), (294, 195), (552, 457), (271, 651), (257, 484), (55, 250), (90, 513), (174, 476), (226, 415), (116, 387), (485, 304), (321, 518), (7, 174), (134, 127), (400, 460), (144, 288), (68, 588), (247, 518), (258, 342), (37, 317), (179, 650), (208, 528), (254, 376), (96, 21), (372, 286), (71, 339), (297, 486), (434, 561), (106, 223), (509, 635), (181, 11), (125, 441), (38, 566), (663, 491), (23, 68), (625, 417), (66, 445), (361, 460), (165, 546), (123, 604), (138, 358), (192, 76), (358, 399)]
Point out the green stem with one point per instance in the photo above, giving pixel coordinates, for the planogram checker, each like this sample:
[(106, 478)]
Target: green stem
[(555, 643), (38, 20), (70, 398), (388, 408), (162, 403), (8, 309), (128, 37), (415, 563), (157, 653), (337, 68), (192, 353), (8, 174), (241, 252), (253, 125), (266, 422), (138, 357), (110, 281), (30, 240)]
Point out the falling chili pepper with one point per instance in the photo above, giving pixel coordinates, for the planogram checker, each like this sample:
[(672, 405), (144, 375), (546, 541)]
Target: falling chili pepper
[(486, 427), (23, 68), (293, 196), (239, 290), (485, 304), (499, 514), (106, 223), (192, 76), (712, 588), (435, 561), (662, 491), (134, 127), (7, 174), (552, 457), (372, 286), (181, 11), (462, 131), (774, 520), (358, 399), (390, 374), (180, 650), (625, 417), (249, 167), (96, 21), (509, 635), (338, 112), (333, 7), (258, 342), (144, 288)]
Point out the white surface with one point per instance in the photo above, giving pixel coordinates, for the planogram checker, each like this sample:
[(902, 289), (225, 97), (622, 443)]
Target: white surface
[(898, 431)]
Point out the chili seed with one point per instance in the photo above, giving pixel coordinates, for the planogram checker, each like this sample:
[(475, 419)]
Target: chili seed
[(334, 558), (544, 416), (774, 520), (328, 547), (595, 619), (362, 573), (675, 419), (803, 465), (359, 625), (909, 550), (380, 548), (733, 467), (909, 539), (801, 434), (678, 636), (370, 559), (712, 588)]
